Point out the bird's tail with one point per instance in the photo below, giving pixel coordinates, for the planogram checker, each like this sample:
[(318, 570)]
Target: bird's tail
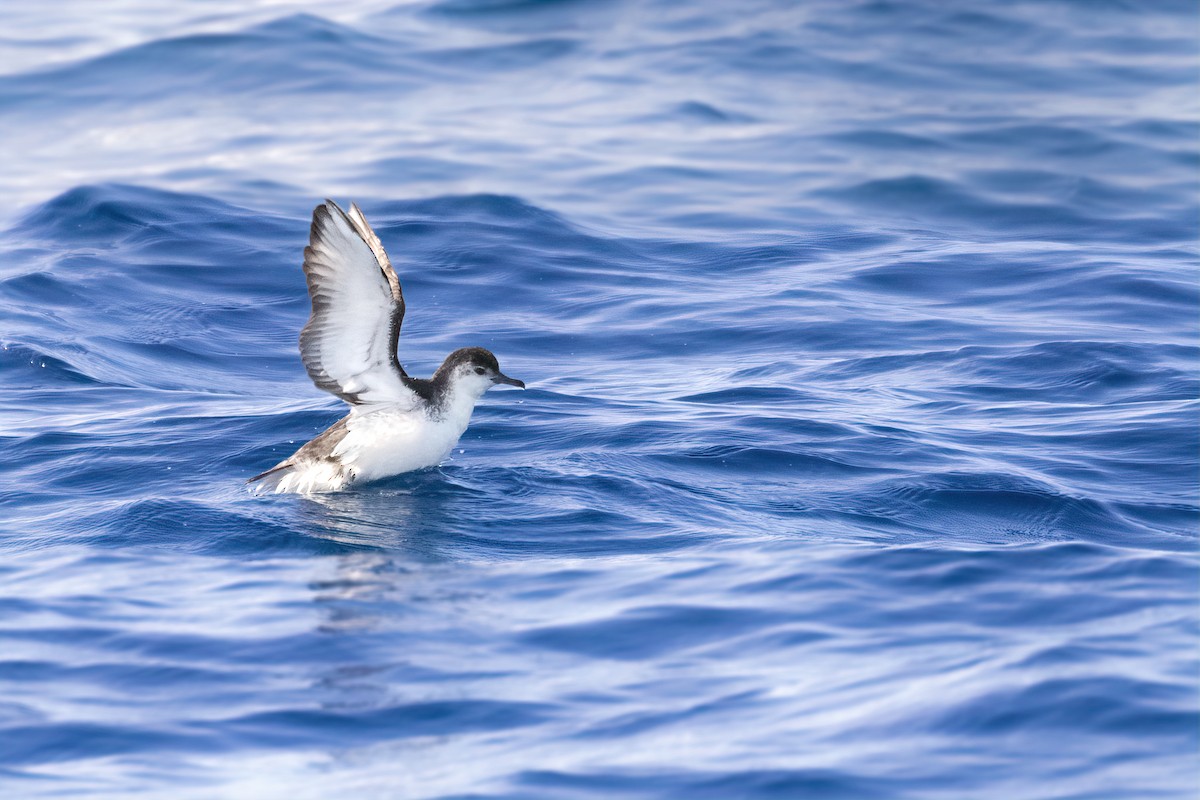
[(268, 482)]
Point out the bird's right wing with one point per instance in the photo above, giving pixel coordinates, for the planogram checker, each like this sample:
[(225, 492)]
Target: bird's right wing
[(349, 342)]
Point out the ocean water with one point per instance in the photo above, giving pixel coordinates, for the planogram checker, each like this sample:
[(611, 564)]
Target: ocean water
[(859, 453)]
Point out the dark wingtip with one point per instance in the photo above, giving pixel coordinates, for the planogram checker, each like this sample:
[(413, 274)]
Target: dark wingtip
[(330, 206)]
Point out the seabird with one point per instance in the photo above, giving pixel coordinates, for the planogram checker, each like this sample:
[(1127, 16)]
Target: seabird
[(396, 423)]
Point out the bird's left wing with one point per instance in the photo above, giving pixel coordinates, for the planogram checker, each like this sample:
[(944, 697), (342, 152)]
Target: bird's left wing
[(349, 342)]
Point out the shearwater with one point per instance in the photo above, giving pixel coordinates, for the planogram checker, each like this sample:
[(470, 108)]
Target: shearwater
[(396, 423)]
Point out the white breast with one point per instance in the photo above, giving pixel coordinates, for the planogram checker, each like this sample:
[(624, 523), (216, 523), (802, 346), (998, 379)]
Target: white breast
[(388, 441)]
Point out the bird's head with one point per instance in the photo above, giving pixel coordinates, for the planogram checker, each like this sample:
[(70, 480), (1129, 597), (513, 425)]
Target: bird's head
[(474, 371)]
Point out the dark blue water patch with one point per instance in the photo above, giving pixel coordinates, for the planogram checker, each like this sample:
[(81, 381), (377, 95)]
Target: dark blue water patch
[(962, 277), (1033, 284), (920, 198), (1129, 291), (1076, 150), (57, 742), (153, 222), (920, 576), (1084, 192), (498, 517), (495, 214), (129, 312), (649, 632), (773, 463), (989, 507), (1179, 518), (408, 168), (521, 16), (884, 141), (1076, 371), (116, 675), (189, 526), (350, 728), (29, 367), (302, 648), (260, 59), (747, 396), (696, 111), (749, 784), (1107, 704), (638, 723)]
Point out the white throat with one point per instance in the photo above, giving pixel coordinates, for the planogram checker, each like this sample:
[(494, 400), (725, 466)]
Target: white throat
[(458, 404)]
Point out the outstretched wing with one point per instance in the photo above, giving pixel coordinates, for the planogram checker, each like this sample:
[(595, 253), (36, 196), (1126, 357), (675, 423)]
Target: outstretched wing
[(349, 342)]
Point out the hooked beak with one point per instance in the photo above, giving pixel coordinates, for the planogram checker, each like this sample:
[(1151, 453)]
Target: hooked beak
[(502, 378)]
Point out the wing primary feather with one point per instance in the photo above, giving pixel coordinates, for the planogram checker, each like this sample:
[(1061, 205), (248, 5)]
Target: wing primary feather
[(356, 296), (364, 229), (358, 221)]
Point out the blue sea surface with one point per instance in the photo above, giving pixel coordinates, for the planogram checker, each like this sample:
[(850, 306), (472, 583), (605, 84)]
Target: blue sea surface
[(858, 458)]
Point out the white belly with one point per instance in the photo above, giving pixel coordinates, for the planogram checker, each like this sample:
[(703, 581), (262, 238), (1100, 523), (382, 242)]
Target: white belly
[(383, 443)]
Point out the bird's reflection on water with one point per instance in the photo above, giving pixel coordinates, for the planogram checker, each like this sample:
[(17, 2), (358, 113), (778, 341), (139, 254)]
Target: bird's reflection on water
[(395, 575), (405, 517)]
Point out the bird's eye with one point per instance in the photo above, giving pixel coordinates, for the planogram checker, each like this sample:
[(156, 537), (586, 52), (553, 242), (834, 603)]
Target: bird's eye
[(479, 370)]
